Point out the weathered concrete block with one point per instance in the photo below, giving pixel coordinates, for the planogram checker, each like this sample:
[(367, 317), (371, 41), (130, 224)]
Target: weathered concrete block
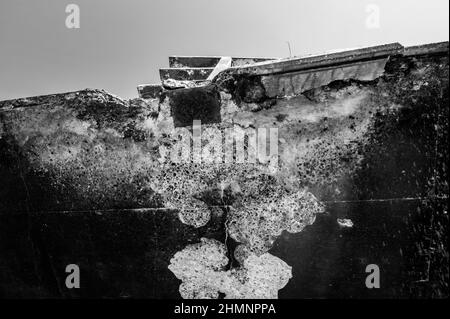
[(150, 91), (183, 74), (191, 104), (193, 61)]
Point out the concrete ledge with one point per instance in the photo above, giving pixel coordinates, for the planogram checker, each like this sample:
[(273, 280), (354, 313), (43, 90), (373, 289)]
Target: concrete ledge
[(211, 61), (319, 61), (432, 48)]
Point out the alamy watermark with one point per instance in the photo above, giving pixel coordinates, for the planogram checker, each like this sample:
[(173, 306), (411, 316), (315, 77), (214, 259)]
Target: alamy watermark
[(373, 16), (373, 279), (209, 145), (73, 279), (73, 17)]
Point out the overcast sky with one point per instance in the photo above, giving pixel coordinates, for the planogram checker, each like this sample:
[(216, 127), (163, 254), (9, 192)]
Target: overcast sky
[(123, 43)]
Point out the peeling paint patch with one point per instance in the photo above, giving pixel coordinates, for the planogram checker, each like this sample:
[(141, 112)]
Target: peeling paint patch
[(345, 222), (202, 269), (257, 223)]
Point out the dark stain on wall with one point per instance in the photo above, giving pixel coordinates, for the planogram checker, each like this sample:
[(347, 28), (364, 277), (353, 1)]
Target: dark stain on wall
[(202, 103)]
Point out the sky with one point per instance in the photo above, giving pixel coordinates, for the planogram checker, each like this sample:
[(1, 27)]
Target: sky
[(123, 43)]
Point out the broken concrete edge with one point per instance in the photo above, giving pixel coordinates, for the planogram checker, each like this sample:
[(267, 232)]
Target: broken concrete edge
[(262, 82), (269, 67), (427, 49), (156, 91), (308, 63)]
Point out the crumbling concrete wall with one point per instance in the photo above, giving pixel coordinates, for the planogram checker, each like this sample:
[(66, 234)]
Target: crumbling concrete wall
[(85, 181)]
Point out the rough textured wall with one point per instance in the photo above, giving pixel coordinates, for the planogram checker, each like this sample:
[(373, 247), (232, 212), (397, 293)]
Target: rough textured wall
[(86, 179)]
